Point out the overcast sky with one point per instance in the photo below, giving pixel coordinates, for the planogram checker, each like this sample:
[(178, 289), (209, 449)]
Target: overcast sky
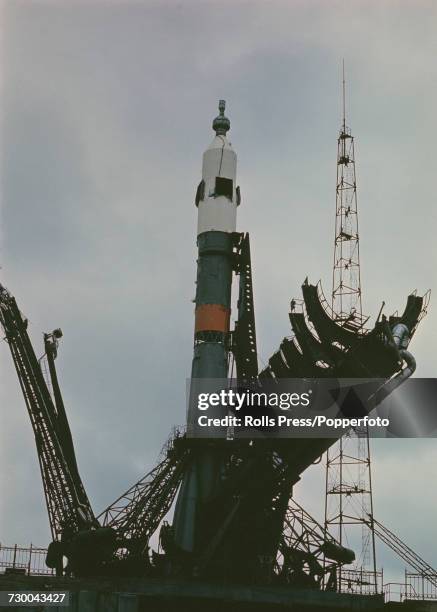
[(106, 110)]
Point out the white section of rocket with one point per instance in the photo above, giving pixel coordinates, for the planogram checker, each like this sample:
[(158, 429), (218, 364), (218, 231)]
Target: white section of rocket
[(217, 213)]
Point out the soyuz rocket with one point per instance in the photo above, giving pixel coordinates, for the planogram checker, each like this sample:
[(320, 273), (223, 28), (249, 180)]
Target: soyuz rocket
[(217, 199)]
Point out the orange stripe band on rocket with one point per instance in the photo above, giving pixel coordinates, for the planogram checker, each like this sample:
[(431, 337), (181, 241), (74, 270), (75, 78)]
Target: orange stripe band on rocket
[(212, 317)]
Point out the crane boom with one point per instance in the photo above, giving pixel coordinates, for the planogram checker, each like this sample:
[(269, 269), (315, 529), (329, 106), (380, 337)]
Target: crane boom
[(67, 503)]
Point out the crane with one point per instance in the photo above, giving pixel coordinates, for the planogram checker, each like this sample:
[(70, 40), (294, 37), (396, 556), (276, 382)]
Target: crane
[(68, 506)]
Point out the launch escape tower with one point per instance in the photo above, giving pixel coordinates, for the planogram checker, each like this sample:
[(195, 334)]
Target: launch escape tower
[(348, 485)]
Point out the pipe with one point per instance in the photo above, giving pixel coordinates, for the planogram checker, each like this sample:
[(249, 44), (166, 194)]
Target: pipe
[(400, 338), (400, 334)]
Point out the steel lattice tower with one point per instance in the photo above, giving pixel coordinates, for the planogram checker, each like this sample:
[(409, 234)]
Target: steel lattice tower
[(348, 498), (346, 278)]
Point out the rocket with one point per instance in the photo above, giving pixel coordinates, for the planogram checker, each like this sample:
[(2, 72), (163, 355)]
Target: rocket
[(217, 198)]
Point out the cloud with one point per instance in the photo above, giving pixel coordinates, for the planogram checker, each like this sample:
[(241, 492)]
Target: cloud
[(106, 110)]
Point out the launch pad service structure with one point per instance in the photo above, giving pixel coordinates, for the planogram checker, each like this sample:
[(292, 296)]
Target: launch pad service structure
[(238, 539)]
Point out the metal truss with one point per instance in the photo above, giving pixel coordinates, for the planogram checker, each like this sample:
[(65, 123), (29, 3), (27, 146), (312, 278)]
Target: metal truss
[(403, 551), (305, 547), (67, 503), (244, 336), (137, 513)]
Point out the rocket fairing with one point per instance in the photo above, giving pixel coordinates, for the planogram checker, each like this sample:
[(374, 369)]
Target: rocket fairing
[(217, 198), (217, 195)]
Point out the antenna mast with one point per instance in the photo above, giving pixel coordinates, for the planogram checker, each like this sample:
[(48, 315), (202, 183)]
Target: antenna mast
[(344, 101), (348, 498), (346, 279)]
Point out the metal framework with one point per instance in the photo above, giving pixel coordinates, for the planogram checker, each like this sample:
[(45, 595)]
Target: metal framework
[(349, 503), (346, 279), (426, 572), (348, 493), (305, 547), (420, 586), (67, 503), (137, 513), (247, 529), (256, 482), (244, 335), (21, 560)]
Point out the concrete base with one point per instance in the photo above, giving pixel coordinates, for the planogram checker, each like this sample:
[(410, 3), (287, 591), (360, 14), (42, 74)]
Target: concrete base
[(157, 595)]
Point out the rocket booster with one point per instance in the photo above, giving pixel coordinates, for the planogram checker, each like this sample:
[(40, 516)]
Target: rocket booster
[(217, 198)]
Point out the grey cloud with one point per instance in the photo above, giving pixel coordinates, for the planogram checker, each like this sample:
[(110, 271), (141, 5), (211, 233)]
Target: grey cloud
[(106, 110)]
